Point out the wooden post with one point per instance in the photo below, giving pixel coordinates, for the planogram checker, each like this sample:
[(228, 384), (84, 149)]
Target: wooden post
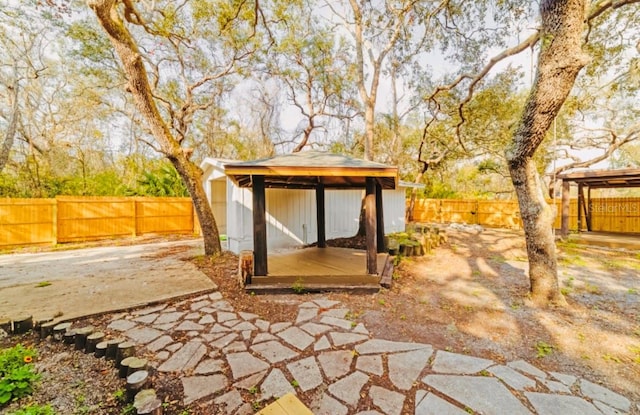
[(320, 216), (564, 227), (580, 201), (59, 330), (135, 382), (370, 226), (54, 225), (245, 267), (588, 209), (22, 323), (81, 337), (259, 226), (379, 220), (92, 340)]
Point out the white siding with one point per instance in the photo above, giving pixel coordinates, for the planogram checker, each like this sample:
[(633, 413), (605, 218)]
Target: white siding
[(342, 210)]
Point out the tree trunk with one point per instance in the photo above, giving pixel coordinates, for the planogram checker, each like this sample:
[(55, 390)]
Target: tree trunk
[(140, 88), (9, 137), (561, 59)]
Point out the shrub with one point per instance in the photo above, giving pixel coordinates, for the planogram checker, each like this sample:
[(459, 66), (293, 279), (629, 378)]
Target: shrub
[(17, 375)]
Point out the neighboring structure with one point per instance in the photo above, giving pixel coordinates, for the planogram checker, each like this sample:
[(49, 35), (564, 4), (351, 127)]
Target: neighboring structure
[(291, 212), (592, 179)]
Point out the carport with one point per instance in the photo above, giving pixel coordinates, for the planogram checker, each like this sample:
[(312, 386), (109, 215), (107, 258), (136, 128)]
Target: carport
[(316, 171), (592, 179)]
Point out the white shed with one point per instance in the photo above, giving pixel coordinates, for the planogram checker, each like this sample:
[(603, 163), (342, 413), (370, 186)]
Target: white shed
[(290, 213)]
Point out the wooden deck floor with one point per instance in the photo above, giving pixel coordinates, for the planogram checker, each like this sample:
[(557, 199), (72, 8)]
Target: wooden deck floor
[(319, 269)]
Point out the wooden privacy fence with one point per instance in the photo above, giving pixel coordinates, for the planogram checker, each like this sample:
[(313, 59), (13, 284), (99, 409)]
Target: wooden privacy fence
[(72, 219), (608, 214)]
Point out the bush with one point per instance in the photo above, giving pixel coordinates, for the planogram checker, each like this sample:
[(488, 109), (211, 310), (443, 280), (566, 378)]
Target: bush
[(17, 375)]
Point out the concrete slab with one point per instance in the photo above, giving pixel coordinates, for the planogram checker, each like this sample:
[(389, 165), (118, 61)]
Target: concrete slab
[(169, 317), (390, 402), (459, 364), (315, 329), (548, 404), (482, 394), (322, 344), (305, 314)]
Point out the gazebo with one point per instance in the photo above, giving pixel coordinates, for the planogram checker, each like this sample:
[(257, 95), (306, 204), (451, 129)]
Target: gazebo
[(317, 171), (592, 179)]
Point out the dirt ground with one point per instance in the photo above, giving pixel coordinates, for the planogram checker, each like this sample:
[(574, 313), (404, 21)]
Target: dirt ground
[(468, 296)]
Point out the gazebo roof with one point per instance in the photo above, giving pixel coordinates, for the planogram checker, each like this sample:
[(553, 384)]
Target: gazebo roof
[(604, 178), (305, 170)]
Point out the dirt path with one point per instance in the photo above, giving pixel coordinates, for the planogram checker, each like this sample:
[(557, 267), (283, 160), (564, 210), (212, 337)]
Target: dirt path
[(76, 283)]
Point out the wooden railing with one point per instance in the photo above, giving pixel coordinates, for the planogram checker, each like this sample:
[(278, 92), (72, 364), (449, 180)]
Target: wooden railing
[(71, 219), (608, 214)]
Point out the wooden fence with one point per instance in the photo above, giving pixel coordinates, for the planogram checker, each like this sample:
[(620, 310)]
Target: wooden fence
[(608, 214), (71, 219)]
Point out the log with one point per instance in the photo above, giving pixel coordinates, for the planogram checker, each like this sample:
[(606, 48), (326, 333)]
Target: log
[(69, 337), (135, 382), (101, 349), (112, 348), (22, 323), (137, 365), (39, 322), (92, 340), (146, 402), (59, 330), (125, 349), (386, 279), (81, 337), (123, 371), (245, 267), (46, 329), (5, 325)]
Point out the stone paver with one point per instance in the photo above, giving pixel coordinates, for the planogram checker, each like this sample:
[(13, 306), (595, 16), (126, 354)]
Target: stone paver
[(512, 377), (447, 362), (273, 351), (335, 363), (186, 358), (604, 395), (430, 404), (404, 368), (243, 364), (390, 402), (482, 394), (275, 385), (228, 361), (329, 406), (546, 404), (348, 388), (198, 387), (306, 373)]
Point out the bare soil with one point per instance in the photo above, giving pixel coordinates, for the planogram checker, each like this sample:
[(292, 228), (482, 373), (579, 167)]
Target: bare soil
[(468, 296)]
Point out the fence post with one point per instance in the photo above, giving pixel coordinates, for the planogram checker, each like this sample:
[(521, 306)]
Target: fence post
[(135, 217), (54, 222)]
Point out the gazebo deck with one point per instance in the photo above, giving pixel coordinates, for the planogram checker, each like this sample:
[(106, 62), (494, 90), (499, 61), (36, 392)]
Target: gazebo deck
[(318, 269)]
